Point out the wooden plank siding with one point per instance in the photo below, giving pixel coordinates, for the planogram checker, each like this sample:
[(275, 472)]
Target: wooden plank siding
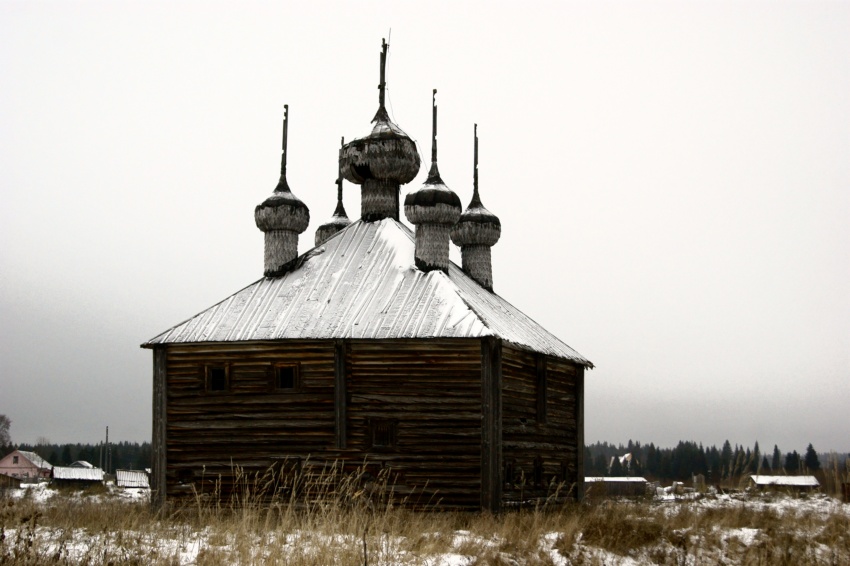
[(251, 424), (430, 388), (460, 410), (537, 436)]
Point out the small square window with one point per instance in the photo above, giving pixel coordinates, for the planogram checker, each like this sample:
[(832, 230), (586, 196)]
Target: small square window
[(285, 377), (14, 459), (217, 378), (384, 433)]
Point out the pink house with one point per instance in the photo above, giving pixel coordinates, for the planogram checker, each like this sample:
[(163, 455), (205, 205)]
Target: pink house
[(24, 465)]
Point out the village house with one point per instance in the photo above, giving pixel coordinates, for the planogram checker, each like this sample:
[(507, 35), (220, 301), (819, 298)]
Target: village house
[(132, 479), (621, 486), (25, 465), (80, 474), (794, 484), (373, 346)]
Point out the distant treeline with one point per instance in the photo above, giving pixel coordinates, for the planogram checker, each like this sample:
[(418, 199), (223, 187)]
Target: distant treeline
[(680, 463), (717, 465), (114, 456)]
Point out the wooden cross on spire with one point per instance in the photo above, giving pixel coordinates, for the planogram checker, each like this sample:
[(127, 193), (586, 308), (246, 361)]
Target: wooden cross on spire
[(434, 126), (283, 144)]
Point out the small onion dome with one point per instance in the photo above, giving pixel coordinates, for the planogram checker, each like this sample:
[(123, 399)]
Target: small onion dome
[(477, 225), (282, 211), (337, 222), (433, 203)]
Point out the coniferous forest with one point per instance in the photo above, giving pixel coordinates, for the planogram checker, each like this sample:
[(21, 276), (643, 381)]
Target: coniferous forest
[(717, 465)]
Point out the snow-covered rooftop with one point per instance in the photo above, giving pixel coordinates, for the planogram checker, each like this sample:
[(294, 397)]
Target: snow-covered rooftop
[(75, 473), (362, 284), (616, 479), (36, 460), (787, 481), (131, 478)]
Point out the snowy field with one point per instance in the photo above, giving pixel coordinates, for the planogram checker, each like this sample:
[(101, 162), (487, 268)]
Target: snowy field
[(111, 526)]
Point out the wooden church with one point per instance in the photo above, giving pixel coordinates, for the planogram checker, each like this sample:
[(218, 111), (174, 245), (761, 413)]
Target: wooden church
[(373, 347)]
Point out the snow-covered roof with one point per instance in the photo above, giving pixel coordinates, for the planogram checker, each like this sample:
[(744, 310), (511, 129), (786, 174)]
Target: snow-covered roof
[(74, 473), (362, 283), (36, 460), (786, 481), (81, 464), (131, 478), (616, 479)]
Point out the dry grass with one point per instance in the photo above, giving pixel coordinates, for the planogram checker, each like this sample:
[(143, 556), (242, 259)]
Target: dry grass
[(336, 518)]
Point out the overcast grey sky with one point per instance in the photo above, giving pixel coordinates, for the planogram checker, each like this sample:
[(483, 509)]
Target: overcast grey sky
[(684, 170)]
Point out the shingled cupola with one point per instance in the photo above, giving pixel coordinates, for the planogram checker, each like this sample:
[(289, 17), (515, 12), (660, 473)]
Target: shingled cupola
[(281, 217), (477, 230), (339, 220), (381, 161), (434, 209)]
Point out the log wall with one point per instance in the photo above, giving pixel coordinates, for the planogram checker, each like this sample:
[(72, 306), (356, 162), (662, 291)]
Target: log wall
[(249, 425), (429, 390), (540, 428)]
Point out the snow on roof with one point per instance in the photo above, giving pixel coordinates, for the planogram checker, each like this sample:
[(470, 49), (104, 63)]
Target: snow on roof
[(131, 478), (786, 481), (74, 473), (616, 479), (35, 459), (362, 283)]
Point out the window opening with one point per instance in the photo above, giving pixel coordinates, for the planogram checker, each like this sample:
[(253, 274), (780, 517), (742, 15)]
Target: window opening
[(14, 459), (217, 378), (286, 377), (542, 386), (384, 433)]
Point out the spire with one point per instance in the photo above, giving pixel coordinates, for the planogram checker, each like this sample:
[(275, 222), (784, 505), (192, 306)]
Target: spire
[(282, 185), (282, 216), (340, 219), (382, 114), (475, 198), (434, 173), (476, 232)]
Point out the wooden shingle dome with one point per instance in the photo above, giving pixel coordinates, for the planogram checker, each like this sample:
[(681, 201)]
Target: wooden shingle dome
[(475, 232), (381, 161), (433, 208), (282, 217)]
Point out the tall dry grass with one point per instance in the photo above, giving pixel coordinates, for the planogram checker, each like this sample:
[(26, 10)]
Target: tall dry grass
[(326, 516)]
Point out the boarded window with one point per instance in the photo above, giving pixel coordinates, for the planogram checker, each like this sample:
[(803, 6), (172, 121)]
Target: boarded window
[(217, 378), (538, 471), (384, 433), (542, 385)]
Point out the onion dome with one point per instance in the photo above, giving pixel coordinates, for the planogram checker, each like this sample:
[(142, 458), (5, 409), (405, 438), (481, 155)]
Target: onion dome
[(434, 209), (339, 220), (475, 232), (381, 161), (282, 216)]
